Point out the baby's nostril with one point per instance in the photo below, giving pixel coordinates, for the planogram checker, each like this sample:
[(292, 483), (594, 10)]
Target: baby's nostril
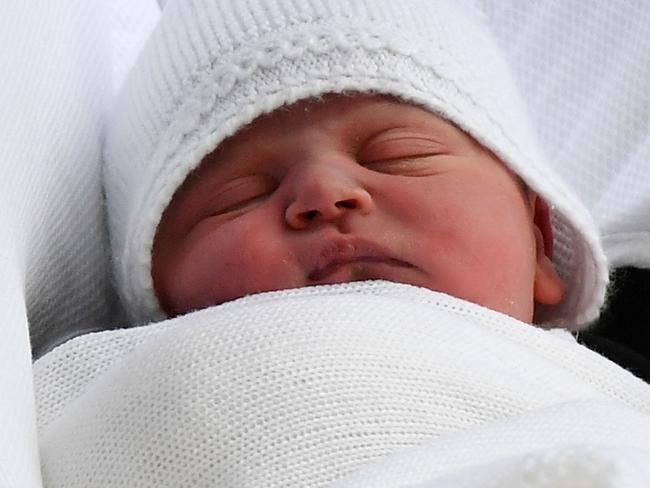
[(310, 214), (351, 203)]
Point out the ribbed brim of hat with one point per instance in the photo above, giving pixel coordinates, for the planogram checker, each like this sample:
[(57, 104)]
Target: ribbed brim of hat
[(201, 78)]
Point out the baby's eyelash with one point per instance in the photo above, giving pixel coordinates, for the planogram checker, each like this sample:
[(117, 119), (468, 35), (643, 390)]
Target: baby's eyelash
[(239, 194), (419, 165), (400, 144), (239, 205)]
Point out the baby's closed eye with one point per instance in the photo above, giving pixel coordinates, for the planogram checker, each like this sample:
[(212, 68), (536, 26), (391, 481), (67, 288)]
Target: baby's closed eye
[(239, 194), (401, 151)]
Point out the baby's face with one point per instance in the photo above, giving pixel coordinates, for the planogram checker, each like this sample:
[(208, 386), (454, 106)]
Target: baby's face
[(346, 189)]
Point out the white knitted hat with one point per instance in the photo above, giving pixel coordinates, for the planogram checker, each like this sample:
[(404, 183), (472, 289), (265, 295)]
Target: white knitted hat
[(212, 66)]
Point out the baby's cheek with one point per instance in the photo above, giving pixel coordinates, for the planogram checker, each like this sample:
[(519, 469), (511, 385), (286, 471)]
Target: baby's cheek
[(249, 257), (506, 274), (483, 257)]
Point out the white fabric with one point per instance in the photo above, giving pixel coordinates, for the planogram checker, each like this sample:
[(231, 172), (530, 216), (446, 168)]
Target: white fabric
[(58, 73), (302, 387), (63, 63), (210, 67), (584, 70), (592, 444)]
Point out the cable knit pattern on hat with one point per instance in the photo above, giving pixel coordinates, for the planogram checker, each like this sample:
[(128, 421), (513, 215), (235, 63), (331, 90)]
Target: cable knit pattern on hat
[(212, 66)]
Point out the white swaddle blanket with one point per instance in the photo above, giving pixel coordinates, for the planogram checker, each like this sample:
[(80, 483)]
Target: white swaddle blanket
[(305, 387)]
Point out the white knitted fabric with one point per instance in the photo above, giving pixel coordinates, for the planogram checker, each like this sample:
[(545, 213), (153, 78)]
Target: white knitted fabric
[(590, 444), (58, 72), (212, 66), (63, 63), (584, 70), (303, 387)]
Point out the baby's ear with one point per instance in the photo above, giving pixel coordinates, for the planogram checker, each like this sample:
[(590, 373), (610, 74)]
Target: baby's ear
[(548, 288)]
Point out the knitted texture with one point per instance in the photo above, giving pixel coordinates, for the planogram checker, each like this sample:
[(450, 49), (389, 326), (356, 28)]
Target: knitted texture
[(594, 444), (212, 66), (584, 71), (50, 143), (300, 387), (63, 74), (57, 79)]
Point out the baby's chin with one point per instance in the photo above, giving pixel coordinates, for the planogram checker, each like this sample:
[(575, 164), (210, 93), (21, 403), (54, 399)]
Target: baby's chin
[(391, 270), (404, 273)]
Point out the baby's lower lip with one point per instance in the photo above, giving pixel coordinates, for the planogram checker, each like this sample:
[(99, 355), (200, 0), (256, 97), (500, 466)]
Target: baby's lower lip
[(334, 266)]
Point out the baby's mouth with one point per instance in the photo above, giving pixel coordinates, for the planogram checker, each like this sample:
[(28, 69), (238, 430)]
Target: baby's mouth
[(365, 258)]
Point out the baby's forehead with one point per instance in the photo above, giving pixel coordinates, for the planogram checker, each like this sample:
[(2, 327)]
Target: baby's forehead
[(356, 118), (348, 113)]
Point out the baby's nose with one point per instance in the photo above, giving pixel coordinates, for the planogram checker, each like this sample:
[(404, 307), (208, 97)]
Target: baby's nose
[(326, 197)]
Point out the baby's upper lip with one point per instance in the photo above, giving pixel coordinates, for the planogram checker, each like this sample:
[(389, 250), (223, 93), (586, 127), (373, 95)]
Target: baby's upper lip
[(337, 252)]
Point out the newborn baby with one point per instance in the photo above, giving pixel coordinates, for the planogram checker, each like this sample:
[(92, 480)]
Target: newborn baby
[(348, 188), (276, 145), (273, 144)]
